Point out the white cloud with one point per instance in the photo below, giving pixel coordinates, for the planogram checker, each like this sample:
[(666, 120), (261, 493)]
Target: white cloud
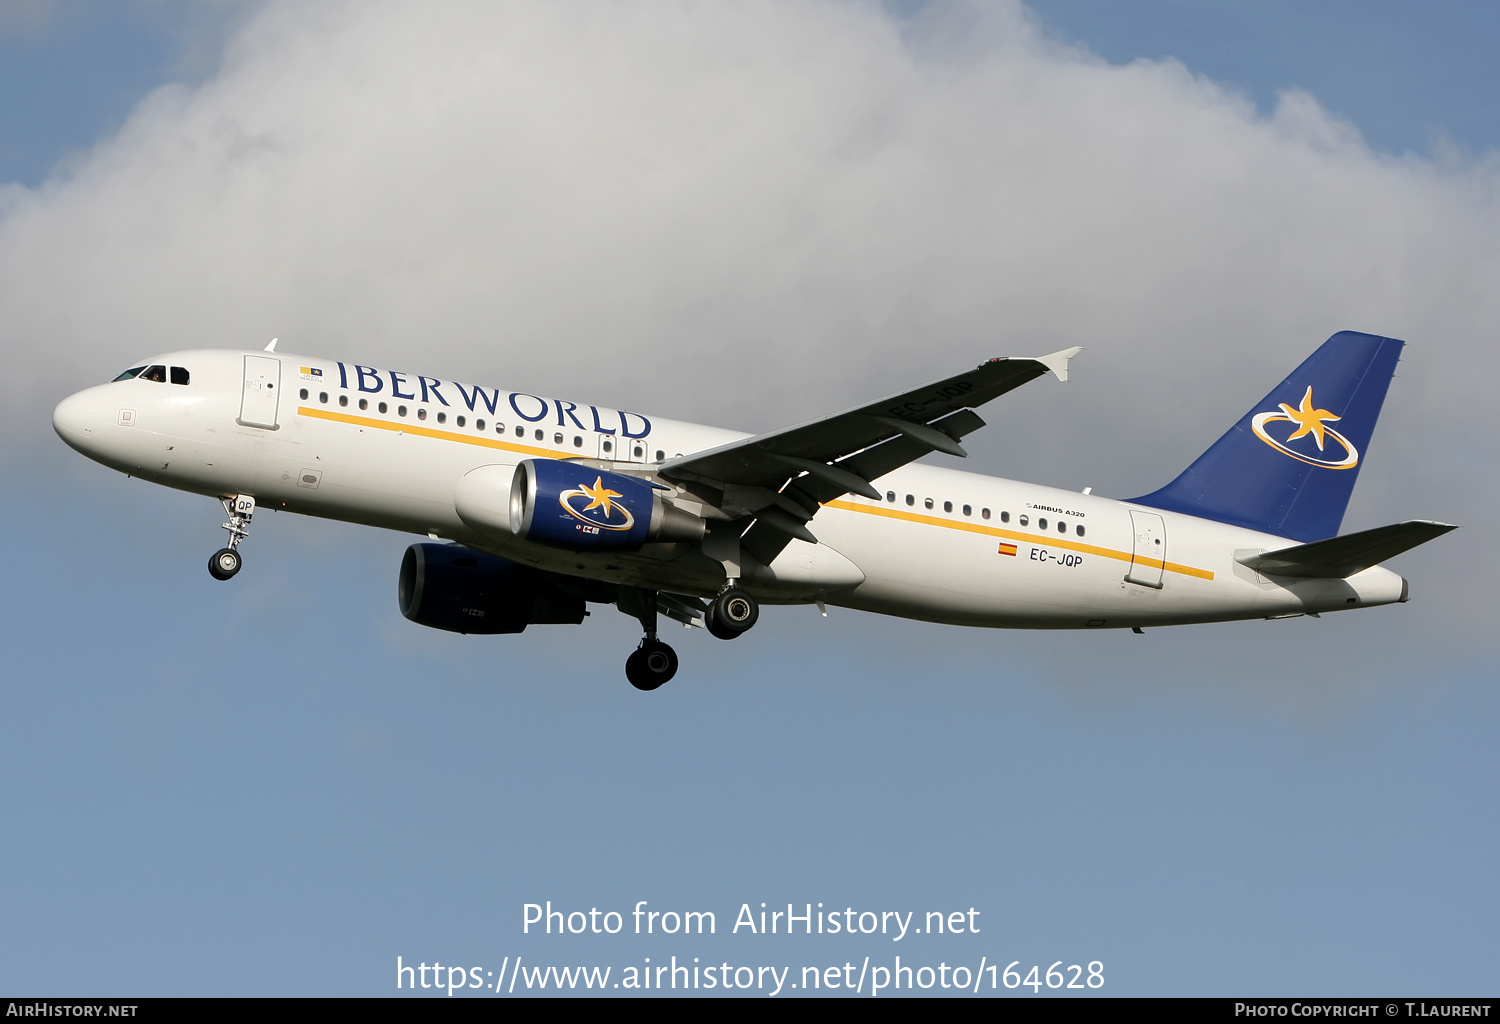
[(749, 213)]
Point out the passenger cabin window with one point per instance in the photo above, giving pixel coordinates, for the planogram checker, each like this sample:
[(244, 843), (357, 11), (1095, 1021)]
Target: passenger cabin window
[(134, 371), (400, 410), (969, 510), (927, 503), (540, 435), (1062, 526), (661, 456), (1079, 529), (1024, 520), (364, 403), (985, 513), (343, 399), (1041, 524), (947, 506), (911, 499), (478, 424), (1005, 517), (322, 398), (382, 407), (421, 414), (520, 431), (179, 375), (890, 496), (302, 394)]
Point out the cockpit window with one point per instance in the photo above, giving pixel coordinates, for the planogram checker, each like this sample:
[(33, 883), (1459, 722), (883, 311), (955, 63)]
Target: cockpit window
[(157, 373), (179, 375), (134, 371)]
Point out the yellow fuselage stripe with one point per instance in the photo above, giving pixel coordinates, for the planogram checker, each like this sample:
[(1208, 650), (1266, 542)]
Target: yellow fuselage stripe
[(1040, 539), (848, 506)]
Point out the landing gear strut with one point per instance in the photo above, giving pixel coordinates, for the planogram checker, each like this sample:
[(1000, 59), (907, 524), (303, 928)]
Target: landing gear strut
[(653, 662), (732, 613), (225, 562)]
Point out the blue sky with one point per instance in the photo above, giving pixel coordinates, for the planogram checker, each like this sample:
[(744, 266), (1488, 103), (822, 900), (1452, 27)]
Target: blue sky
[(278, 786)]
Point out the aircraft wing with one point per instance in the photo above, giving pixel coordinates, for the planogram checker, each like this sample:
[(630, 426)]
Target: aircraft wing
[(780, 479)]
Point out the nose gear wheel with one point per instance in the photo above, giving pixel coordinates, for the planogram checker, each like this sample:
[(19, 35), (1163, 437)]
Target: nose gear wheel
[(224, 563)]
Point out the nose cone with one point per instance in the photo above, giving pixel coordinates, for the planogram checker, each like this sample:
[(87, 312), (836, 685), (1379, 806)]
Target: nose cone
[(78, 421)]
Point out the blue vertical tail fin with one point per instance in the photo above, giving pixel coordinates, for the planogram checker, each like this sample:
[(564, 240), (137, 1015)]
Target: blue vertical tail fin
[(1289, 466)]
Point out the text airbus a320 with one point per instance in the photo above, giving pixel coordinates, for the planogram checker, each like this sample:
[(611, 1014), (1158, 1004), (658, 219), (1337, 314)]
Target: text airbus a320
[(537, 507)]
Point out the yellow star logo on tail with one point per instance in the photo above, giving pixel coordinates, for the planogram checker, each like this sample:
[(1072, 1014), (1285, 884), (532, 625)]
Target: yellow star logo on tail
[(1308, 419)]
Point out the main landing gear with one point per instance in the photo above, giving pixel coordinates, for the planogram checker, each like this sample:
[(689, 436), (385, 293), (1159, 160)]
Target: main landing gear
[(652, 662), (732, 613), (225, 562)]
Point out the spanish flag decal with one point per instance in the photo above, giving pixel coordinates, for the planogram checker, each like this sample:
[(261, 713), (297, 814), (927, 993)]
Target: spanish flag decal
[(1007, 549)]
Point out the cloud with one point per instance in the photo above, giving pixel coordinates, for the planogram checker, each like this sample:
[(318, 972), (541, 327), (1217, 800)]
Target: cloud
[(752, 213)]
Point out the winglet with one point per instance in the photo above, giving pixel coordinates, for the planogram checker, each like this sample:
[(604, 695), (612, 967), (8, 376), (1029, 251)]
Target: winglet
[(272, 347), (1057, 362)]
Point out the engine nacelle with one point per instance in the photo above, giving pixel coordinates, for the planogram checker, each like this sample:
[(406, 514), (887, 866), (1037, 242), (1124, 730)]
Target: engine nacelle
[(568, 505), (446, 586)]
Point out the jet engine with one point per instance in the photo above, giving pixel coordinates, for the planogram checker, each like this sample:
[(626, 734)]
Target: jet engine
[(446, 586), (569, 505)]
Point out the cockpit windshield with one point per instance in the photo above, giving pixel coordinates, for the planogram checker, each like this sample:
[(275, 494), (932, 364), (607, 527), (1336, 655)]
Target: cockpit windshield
[(157, 373)]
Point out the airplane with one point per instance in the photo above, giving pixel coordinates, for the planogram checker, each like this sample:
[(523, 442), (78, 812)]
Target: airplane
[(536, 507)]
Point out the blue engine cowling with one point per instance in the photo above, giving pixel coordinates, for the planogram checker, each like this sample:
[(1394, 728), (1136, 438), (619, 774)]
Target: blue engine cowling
[(569, 505), (446, 586)]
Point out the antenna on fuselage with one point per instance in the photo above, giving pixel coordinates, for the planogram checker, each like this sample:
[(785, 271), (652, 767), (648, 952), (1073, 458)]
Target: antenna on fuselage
[(272, 347)]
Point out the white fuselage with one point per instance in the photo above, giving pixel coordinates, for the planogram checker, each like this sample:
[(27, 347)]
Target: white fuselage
[(391, 450)]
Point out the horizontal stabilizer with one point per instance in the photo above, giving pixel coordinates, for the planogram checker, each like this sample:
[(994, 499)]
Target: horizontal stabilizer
[(1341, 557)]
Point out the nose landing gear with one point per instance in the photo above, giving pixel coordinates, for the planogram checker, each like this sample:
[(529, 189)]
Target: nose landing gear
[(225, 562)]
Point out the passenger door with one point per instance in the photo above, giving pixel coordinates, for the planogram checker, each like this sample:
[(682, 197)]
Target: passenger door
[(1149, 553), (258, 404)]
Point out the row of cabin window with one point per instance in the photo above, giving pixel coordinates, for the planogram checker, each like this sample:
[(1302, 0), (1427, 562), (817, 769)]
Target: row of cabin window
[(984, 513), (479, 424), (158, 373)]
